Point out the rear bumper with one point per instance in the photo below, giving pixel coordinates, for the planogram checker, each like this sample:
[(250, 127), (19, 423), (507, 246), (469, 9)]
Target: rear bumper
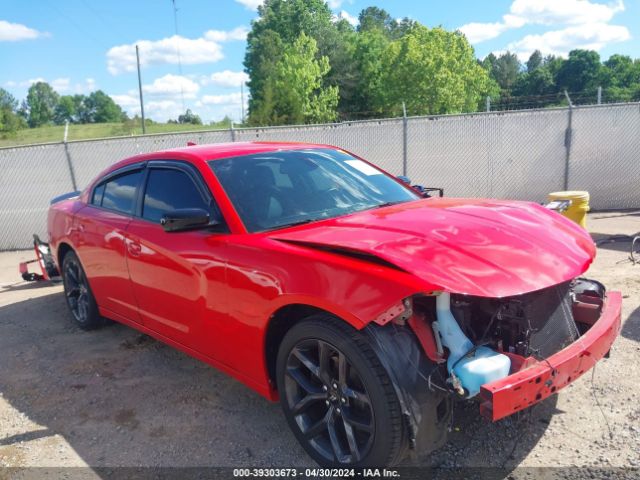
[(537, 382)]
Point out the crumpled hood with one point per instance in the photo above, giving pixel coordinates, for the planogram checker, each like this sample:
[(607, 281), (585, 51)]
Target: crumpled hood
[(488, 248)]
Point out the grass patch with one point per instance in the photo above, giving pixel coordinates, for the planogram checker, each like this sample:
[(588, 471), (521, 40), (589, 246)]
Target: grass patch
[(55, 133)]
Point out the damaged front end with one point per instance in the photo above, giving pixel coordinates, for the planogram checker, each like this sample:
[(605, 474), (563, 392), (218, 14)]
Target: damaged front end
[(509, 353)]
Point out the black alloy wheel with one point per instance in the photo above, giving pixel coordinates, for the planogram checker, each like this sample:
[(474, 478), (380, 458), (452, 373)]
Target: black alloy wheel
[(329, 401), (337, 397), (80, 300)]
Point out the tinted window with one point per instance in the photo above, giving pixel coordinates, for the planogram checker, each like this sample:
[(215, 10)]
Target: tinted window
[(97, 195), (275, 189), (120, 193), (167, 190)]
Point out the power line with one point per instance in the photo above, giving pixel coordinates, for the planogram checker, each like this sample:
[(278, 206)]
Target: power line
[(76, 25), (175, 24)]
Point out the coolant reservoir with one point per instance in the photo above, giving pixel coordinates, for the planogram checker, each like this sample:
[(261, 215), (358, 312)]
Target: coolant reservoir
[(483, 366)]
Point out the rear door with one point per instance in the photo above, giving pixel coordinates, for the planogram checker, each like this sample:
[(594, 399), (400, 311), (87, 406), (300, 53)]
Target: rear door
[(178, 278), (101, 244)]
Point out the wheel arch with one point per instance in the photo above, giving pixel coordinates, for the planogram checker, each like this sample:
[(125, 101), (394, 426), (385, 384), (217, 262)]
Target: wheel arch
[(280, 322), (63, 249)]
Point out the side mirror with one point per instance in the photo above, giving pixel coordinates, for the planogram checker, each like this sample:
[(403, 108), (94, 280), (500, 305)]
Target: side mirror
[(427, 192), (186, 219)]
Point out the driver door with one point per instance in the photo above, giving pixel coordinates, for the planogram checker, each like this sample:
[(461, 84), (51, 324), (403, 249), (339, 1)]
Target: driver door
[(178, 277)]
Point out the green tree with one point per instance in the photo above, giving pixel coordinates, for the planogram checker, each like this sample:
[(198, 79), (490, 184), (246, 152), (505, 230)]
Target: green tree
[(536, 83), (374, 18), (65, 110), (298, 92), (280, 23), (580, 72), (267, 50), (7, 101), (622, 71), (369, 53), (433, 71), (505, 71), (82, 109), (534, 62), (489, 63), (100, 108), (338, 45), (41, 103), (377, 19), (190, 117), (10, 121)]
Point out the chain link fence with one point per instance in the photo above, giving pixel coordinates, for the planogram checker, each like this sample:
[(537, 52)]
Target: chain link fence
[(519, 155)]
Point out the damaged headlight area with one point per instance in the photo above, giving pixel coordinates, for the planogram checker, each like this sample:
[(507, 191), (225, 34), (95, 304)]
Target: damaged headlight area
[(441, 346)]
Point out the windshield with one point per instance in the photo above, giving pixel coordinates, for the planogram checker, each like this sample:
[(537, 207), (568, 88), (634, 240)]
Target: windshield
[(283, 188)]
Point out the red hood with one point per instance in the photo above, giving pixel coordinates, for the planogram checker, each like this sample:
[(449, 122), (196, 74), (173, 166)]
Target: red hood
[(488, 248)]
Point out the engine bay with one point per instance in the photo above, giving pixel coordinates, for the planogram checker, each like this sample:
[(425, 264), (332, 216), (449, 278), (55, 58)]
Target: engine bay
[(525, 328)]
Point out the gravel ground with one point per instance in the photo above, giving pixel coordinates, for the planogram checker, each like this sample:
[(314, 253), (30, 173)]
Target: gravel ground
[(113, 397)]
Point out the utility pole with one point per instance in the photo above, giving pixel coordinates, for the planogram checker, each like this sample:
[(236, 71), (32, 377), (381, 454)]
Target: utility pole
[(599, 95), (488, 109), (405, 127), (144, 129), (242, 100), (568, 134)]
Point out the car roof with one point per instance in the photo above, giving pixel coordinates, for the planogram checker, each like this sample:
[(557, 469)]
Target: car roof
[(214, 151)]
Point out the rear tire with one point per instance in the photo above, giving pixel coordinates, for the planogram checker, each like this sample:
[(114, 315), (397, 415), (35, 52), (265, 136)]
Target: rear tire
[(337, 397), (80, 300)]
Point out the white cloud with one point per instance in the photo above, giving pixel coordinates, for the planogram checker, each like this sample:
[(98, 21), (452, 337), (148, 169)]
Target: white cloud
[(166, 107), (574, 12), (31, 81), (160, 110), (126, 101), (335, 4), (122, 58), (560, 42), (226, 99), (218, 106), (479, 32), (238, 33), (226, 79), (173, 50), (61, 85), (88, 86), (544, 12), (251, 4), (348, 17), (14, 32), (172, 85)]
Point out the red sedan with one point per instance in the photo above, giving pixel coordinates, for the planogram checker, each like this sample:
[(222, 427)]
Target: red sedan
[(316, 278)]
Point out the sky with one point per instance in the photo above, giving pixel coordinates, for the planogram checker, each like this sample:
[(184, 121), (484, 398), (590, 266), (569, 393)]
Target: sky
[(79, 46)]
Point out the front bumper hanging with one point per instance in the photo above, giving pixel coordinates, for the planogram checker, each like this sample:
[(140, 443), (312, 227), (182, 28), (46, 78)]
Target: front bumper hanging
[(527, 387)]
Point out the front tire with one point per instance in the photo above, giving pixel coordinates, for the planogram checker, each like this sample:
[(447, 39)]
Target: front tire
[(80, 299), (337, 397)]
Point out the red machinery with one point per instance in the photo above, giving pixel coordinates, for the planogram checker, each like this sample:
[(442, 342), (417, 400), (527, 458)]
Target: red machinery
[(44, 259)]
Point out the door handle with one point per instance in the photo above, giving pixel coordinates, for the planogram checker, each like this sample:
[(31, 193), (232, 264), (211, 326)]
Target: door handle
[(134, 248)]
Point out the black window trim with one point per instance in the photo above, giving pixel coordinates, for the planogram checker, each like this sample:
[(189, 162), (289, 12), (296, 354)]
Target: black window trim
[(113, 175), (145, 167), (195, 176)]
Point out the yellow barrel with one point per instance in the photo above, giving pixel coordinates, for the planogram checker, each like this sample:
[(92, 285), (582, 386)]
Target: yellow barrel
[(579, 207)]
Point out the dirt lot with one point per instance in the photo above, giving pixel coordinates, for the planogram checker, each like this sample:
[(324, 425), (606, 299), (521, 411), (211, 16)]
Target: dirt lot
[(114, 397)]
